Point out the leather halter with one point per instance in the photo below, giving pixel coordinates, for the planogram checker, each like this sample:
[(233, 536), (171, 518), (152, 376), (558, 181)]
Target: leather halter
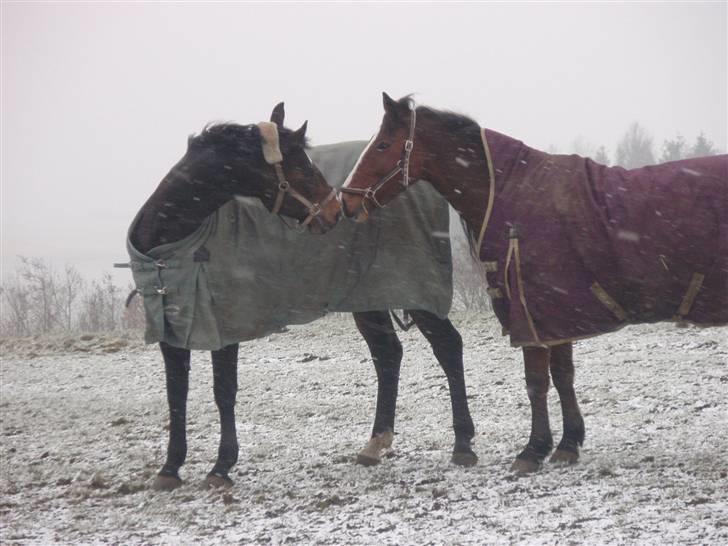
[(284, 187), (401, 167)]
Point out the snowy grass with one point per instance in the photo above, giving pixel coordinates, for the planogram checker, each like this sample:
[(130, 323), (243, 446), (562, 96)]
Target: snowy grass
[(83, 434)]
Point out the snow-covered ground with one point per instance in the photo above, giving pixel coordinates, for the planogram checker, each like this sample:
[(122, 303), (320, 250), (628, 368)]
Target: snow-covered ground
[(83, 434)]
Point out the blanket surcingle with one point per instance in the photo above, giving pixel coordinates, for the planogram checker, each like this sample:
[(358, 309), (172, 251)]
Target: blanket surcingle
[(573, 249), (244, 274)]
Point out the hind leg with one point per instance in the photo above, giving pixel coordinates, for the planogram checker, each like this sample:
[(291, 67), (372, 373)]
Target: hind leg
[(540, 443), (447, 345), (562, 373), (386, 350), (225, 384), (177, 371)]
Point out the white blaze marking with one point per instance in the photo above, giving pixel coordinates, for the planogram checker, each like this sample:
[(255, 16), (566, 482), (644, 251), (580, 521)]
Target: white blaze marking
[(356, 165)]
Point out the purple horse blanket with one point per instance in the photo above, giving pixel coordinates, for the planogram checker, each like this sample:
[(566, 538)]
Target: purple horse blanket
[(573, 249)]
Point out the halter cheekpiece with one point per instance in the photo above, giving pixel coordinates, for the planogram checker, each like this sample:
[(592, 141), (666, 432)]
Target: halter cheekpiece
[(273, 156), (401, 167)]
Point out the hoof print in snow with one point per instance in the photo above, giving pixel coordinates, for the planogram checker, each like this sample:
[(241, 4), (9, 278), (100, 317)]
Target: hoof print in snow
[(563, 457), (464, 459), (522, 467), (215, 481), (166, 483), (367, 460), (99, 481)]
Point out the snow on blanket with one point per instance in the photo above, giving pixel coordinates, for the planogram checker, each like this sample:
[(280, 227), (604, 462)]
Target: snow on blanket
[(574, 249), (244, 274)]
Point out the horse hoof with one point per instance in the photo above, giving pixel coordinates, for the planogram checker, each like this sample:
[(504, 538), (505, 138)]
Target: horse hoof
[(464, 458), (166, 483), (371, 454), (367, 460), (217, 481), (561, 456), (525, 466)]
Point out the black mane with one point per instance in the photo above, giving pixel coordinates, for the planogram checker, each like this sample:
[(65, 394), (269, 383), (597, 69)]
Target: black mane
[(227, 135), (452, 121), (242, 138)]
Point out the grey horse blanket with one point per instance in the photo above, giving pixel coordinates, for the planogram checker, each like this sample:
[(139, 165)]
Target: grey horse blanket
[(244, 274), (573, 248)]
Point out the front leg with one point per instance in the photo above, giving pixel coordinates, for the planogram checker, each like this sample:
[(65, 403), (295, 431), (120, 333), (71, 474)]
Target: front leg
[(225, 384), (386, 350), (536, 361), (177, 371)]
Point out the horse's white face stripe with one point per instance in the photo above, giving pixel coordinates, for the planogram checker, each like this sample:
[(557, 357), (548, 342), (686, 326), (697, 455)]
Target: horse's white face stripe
[(356, 165)]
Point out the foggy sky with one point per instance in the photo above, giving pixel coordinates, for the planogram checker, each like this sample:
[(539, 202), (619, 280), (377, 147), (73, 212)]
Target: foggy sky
[(98, 99)]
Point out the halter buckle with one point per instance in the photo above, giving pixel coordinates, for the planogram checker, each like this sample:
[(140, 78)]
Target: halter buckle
[(284, 185), (408, 145)]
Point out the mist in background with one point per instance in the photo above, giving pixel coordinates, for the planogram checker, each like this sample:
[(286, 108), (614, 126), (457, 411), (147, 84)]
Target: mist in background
[(98, 100)]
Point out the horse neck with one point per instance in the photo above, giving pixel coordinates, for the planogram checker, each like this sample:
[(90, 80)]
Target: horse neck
[(174, 211), (461, 174)]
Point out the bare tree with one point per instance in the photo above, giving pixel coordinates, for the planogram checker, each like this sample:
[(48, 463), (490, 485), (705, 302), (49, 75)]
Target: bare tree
[(134, 316), (601, 156), (673, 150), (71, 287), (702, 147), (41, 284), (581, 146), (635, 148), (15, 312), (469, 282)]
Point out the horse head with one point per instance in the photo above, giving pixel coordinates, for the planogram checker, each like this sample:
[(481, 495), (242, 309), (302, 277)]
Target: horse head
[(388, 164), (267, 161)]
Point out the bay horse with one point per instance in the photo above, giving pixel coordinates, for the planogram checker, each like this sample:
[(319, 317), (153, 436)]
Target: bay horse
[(269, 162), (571, 248)]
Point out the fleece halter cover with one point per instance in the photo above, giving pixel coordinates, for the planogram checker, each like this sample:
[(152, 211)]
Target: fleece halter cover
[(271, 147), (243, 274), (573, 249)]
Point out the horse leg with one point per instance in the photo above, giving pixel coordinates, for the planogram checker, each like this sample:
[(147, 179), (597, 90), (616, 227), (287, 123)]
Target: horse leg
[(386, 350), (447, 345), (562, 373), (225, 385), (536, 360), (177, 371)]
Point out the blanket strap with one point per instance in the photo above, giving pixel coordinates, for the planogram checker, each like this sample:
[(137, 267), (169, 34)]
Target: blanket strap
[(608, 302), (494, 293), (514, 252), (405, 323), (696, 282), (491, 191)]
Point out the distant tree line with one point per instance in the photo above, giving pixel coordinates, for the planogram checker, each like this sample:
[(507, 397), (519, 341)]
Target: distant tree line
[(40, 299), (636, 148)]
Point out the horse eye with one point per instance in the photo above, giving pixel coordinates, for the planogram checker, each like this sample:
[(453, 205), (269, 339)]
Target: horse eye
[(382, 146)]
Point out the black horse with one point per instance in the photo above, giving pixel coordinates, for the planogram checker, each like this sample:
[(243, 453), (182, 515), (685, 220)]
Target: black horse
[(226, 160)]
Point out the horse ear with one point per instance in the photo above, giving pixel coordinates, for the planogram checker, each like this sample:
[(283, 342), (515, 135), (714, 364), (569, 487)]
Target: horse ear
[(278, 114), (390, 105), (299, 135)]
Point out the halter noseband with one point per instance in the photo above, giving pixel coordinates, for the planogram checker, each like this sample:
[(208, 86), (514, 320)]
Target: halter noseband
[(401, 167), (284, 187)]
